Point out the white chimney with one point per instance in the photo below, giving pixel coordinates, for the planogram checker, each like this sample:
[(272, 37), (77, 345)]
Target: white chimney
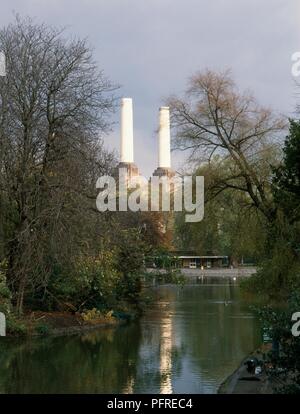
[(126, 130), (164, 151)]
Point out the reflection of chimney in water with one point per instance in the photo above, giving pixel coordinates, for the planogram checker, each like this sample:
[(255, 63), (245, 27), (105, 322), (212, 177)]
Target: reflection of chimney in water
[(128, 389), (166, 355)]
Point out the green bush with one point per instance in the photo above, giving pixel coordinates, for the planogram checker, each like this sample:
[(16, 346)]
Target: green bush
[(5, 295), (15, 327), (91, 282), (278, 321), (275, 279), (42, 329)]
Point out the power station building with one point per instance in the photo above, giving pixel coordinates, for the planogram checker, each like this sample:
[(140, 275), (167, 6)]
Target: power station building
[(185, 260)]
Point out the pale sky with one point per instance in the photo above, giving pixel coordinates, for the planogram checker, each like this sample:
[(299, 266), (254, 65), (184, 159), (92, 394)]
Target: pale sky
[(151, 47)]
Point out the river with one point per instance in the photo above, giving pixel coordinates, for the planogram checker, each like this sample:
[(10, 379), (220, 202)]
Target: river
[(189, 342)]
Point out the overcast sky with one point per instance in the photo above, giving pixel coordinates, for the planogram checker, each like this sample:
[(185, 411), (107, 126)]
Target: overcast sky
[(151, 47)]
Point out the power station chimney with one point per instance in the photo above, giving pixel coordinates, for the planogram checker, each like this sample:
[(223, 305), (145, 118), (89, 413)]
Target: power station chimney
[(164, 150), (164, 157), (126, 130), (126, 149)]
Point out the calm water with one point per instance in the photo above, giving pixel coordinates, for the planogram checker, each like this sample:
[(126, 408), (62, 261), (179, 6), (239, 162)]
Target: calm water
[(189, 342)]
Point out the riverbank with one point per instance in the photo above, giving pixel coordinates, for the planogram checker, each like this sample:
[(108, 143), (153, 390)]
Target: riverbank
[(71, 321), (60, 323), (239, 272), (242, 382)]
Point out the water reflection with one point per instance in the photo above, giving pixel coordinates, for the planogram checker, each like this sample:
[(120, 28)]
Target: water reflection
[(165, 367), (189, 342)]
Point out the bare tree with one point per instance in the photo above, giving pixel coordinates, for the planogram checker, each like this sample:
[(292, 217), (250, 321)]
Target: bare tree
[(214, 118), (54, 108)]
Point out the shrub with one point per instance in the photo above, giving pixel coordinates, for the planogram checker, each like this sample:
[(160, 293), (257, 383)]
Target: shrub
[(287, 359), (92, 281), (5, 295), (94, 315), (42, 329), (15, 327)]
